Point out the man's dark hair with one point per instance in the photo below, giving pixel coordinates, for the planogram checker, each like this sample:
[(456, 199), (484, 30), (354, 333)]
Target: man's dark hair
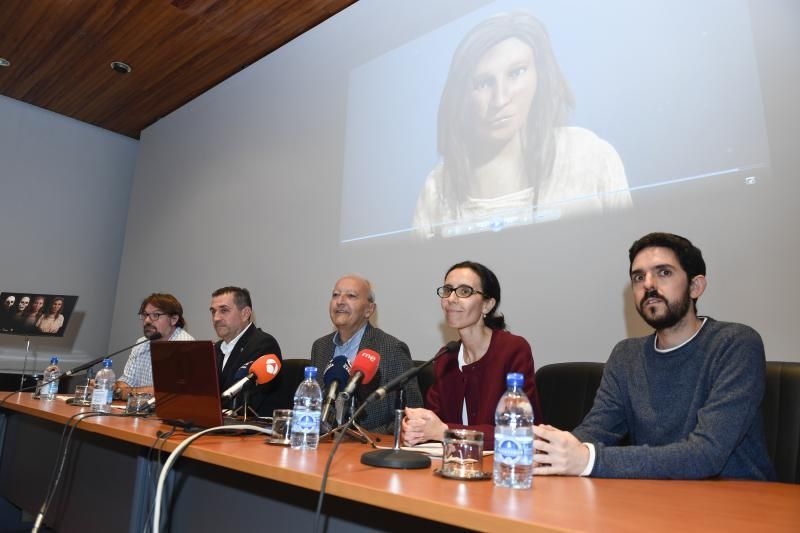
[(490, 287), (241, 296), (689, 256), (167, 303)]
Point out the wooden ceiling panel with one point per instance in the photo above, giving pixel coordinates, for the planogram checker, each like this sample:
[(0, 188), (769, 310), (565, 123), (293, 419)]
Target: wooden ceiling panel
[(61, 50)]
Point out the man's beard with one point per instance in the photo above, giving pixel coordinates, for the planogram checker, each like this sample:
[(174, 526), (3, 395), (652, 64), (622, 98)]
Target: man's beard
[(149, 332), (675, 310)]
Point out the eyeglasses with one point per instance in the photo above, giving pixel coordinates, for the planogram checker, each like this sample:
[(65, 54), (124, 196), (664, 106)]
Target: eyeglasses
[(152, 316), (462, 291)]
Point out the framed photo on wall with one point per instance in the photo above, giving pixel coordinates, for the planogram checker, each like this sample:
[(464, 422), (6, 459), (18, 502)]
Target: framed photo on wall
[(34, 314)]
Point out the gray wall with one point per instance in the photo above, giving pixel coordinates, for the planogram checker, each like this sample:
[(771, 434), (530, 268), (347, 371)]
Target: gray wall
[(242, 186), (64, 192)]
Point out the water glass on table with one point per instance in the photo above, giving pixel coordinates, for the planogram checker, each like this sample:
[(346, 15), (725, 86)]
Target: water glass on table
[(281, 426), (462, 456)]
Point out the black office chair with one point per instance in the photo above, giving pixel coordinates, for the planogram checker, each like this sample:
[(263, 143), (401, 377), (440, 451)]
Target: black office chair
[(566, 392), (781, 409), (424, 378)]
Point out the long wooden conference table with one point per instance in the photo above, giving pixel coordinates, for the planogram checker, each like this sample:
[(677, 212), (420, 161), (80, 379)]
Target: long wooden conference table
[(240, 482)]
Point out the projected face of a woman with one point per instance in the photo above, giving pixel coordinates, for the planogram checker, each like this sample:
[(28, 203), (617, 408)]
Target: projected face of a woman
[(37, 304), (503, 87)]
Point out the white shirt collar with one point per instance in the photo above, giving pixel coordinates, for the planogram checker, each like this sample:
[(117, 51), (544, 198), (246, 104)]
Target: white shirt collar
[(461, 362), (227, 347), (461, 365), (681, 345)]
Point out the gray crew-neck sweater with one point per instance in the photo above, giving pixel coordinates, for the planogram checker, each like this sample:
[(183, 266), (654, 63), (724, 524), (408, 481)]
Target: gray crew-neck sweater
[(691, 413)]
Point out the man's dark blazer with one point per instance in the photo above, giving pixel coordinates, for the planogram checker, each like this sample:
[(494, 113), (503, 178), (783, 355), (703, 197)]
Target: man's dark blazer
[(251, 345), (395, 359)]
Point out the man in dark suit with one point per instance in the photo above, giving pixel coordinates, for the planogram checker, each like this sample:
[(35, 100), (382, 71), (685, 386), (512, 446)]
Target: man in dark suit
[(242, 343), (351, 306)]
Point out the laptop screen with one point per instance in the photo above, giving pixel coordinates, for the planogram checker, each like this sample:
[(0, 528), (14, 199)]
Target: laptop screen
[(186, 383)]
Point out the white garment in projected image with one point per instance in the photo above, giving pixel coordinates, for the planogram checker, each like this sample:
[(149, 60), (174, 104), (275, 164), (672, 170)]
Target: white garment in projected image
[(588, 178)]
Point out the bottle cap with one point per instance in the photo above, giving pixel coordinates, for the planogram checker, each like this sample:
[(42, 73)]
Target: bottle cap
[(514, 379), (106, 363), (311, 372), (54, 360)]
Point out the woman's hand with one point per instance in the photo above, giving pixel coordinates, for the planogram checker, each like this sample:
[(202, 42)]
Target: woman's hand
[(421, 425)]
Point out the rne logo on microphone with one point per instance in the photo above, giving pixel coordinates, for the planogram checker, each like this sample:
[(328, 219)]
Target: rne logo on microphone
[(372, 356)]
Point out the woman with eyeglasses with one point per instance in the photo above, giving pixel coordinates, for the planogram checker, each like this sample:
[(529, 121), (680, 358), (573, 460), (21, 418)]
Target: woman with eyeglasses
[(470, 376)]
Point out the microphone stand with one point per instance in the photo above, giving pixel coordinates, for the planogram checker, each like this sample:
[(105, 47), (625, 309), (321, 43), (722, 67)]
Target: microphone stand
[(359, 433), (25, 362), (88, 367), (84, 366), (396, 457), (405, 377), (244, 410)]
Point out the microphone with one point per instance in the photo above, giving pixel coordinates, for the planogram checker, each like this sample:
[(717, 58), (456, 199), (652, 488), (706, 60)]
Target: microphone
[(243, 371), (396, 457), (90, 364), (403, 378), (365, 365), (263, 370), (336, 375)]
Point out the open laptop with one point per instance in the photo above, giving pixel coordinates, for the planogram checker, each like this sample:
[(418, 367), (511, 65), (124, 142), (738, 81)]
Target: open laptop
[(186, 383)]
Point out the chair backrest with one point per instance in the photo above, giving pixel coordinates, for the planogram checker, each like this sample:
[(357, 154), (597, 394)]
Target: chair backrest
[(424, 378), (292, 372), (566, 392), (781, 409)]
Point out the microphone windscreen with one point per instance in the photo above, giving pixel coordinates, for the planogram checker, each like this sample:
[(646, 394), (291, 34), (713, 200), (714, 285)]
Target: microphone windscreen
[(155, 336), (266, 368), (242, 371), (366, 362), (338, 370)]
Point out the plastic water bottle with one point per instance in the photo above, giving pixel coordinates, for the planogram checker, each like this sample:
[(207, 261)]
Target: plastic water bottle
[(306, 413), (52, 372), (513, 437), (103, 392)]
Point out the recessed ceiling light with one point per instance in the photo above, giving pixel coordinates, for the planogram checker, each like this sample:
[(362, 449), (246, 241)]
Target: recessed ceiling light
[(122, 68), (4, 62)]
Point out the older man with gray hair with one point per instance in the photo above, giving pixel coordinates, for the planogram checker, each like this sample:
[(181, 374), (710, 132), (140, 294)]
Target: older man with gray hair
[(351, 306)]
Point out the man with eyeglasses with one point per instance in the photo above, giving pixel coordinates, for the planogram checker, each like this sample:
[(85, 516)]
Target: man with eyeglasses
[(351, 306), (162, 318)]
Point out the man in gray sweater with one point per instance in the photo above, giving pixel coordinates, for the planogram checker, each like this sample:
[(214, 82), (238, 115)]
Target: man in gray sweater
[(682, 403)]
